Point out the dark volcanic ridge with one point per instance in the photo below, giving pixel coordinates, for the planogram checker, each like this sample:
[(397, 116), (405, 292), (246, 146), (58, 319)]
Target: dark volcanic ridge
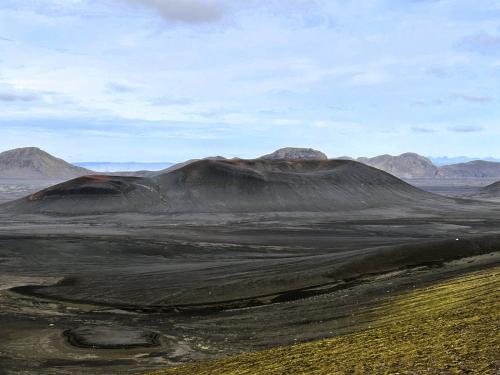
[(233, 186), (490, 192), (493, 189), (406, 166), (91, 194)]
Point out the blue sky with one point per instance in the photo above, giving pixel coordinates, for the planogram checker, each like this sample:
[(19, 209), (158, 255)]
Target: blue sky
[(169, 80)]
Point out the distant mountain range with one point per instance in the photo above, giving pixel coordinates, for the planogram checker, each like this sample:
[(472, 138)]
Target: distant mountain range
[(411, 166), (123, 167), (445, 160), (33, 163)]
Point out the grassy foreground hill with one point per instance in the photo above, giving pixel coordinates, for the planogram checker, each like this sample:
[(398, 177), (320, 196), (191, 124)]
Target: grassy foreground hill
[(450, 328)]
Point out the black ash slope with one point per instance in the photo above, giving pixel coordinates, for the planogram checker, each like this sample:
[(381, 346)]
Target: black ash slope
[(90, 194), (234, 186)]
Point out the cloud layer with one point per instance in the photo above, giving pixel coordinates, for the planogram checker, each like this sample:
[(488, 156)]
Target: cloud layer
[(17, 97), (465, 128), (170, 80), (187, 11)]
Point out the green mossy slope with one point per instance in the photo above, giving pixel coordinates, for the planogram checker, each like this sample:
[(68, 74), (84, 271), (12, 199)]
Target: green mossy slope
[(449, 328)]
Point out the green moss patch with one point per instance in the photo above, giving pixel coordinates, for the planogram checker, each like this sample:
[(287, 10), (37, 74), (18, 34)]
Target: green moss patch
[(450, 328)]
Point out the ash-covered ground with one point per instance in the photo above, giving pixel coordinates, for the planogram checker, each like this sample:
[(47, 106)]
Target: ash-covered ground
[(129, 292)]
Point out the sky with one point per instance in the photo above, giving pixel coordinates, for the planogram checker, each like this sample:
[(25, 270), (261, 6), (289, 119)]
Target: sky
[(171, 80)]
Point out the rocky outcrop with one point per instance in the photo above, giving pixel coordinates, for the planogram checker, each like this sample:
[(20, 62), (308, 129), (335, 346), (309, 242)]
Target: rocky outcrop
[(294, 153)]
